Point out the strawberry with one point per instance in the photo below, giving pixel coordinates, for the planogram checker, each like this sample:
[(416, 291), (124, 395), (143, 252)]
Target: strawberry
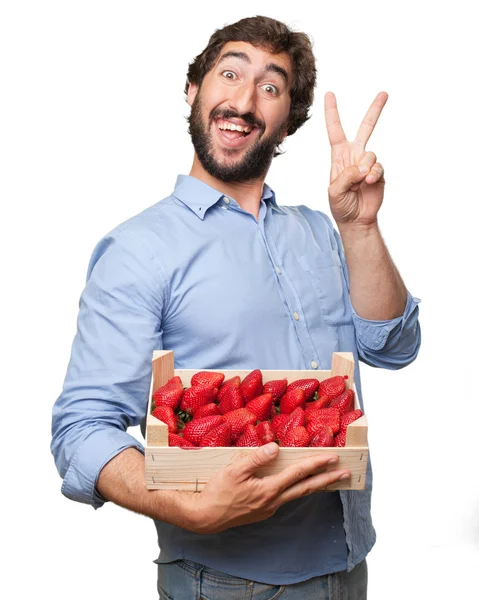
[(231, 399), (332, 387), (252, 385), (177, 440), (261, 406), (291, 400), (249, 437), (219, 436), (309, 386), (208, 377), (321, 402), (169, 394), (296, 418), (349, 417), (197, 428), (274, 410), (277, 388), (207, 410), (278, 421), (167, 415), (296, 437), (265, 432), (239, 419), (323, 416), (323, 437), (234, 381), (344, 402), (340, 439), (196, 396)]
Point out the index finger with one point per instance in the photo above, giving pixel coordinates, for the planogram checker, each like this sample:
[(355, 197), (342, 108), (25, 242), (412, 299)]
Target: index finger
[(302, 469), (333, 123), (369, 122)]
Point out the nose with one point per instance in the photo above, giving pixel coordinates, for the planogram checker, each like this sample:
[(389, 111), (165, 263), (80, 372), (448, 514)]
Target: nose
[(243, 99)]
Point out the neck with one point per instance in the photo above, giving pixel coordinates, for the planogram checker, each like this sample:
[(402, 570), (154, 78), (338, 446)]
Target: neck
[(246, 193)]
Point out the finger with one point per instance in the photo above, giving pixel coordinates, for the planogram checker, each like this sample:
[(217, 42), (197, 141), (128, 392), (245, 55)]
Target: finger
[(298, 471), (375, 174), (333, 123), (310, 485), (367, 161), (346, 180), (369, 122), (247, 465)]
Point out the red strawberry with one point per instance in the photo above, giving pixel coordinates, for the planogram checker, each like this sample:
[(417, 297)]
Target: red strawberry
[(323, 437), (231, 399), (207, 410), (322, 402), (291, 400), (261, 406), (196, 396), (208, 377), (278, 421), (323, 416), (234, 381), (252, 385), (197, 428), (296, 437), (265, 432), (344, 402), (340, 439), (249, 437), (167, 415), (175, 382), (169, 394), (349, 417), (277, 387), (219, 436), (296, 418), (177, 440), (309, 386), (332, 387), (239, 419)]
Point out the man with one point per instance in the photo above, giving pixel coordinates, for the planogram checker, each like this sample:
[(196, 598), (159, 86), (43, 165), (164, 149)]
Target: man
[(228, 279)]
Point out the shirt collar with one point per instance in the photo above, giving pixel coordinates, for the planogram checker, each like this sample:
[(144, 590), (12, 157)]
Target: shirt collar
[(199, 196)]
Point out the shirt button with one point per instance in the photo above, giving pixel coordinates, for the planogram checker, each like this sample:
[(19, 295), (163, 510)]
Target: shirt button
[(278, 270), (314, 364), (296, 316), (227, 200)]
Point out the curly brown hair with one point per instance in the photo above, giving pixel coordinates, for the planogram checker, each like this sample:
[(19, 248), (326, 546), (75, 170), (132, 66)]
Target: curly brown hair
[(275, 37)]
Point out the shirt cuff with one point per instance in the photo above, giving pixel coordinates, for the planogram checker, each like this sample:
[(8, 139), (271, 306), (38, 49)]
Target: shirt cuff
[(374, 334), (91, 456)]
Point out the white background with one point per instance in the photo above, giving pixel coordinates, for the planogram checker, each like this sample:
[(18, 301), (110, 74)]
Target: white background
[(93, 131)]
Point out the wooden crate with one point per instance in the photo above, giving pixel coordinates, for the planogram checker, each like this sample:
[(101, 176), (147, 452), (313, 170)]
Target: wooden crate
[(175, 468)]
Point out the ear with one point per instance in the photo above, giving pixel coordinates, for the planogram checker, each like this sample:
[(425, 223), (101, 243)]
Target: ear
[(192, 91)]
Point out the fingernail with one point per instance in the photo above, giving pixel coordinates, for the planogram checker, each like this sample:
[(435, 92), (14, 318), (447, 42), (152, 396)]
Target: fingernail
[(270, 449), (345, 476), (333, 460), (363, 169)]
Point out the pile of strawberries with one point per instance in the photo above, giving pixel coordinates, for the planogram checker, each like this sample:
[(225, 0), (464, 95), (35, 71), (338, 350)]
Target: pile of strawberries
[(214, 412)]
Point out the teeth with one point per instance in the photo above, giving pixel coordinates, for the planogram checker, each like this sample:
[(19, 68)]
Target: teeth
[(233, 127)]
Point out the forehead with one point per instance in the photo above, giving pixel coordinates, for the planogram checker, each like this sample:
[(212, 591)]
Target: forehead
[(258, 57)]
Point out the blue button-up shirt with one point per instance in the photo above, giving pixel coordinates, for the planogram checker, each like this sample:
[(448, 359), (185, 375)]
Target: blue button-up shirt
[(198, 275)]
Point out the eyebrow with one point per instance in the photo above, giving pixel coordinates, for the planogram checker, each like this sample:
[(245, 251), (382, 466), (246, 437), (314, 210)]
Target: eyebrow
[(270, 68)]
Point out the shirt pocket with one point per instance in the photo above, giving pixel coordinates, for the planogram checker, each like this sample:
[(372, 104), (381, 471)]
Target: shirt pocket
[(327, 278)]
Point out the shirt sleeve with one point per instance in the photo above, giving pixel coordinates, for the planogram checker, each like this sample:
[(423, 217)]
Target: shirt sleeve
[(388, 344), (108, 377)]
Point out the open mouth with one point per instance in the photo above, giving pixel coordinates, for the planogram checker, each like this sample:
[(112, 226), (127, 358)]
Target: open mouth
[(234, 139)]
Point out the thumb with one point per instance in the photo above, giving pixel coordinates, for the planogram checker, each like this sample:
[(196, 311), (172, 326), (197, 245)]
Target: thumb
[(345, 180), (258, 458)]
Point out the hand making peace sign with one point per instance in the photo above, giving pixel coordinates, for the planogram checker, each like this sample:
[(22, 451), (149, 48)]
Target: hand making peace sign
[(354, 197)]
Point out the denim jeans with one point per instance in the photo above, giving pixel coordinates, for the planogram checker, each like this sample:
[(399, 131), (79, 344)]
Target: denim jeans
[(188, 580)]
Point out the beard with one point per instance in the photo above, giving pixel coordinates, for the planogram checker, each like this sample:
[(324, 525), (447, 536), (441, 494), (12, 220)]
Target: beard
[(256, 159)]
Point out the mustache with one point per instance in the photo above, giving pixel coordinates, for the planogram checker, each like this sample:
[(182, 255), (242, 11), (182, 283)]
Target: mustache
[(248, 118)]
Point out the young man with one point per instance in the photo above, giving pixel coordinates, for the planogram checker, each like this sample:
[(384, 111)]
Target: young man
[(223, 275)]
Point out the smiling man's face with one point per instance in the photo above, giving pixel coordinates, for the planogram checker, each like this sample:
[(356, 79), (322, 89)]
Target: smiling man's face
[(249, 87)]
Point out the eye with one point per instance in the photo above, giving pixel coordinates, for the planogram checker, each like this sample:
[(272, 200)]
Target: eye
[(272, 86), (228, 72)]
